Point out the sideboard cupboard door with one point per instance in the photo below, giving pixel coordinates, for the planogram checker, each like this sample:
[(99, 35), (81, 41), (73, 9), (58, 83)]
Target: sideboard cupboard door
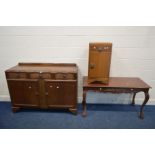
[(60, 94), (24, 93), (70, 93), (53, 93)]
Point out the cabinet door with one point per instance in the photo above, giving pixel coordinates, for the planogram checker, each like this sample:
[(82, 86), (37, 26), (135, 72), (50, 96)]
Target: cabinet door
[(60, 94), (70, 93), (53, 92), (24, 93), (99, 64)]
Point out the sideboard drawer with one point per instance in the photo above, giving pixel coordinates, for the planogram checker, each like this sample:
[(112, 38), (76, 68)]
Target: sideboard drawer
[(22, 75), (16, 75), (70, 76), (12, 75), (34, 75), (47, 76), (64, 76)]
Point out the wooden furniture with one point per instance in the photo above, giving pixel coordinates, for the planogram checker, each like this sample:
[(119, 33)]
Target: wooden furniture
[(99, 62), (118, 85), (43, 85)]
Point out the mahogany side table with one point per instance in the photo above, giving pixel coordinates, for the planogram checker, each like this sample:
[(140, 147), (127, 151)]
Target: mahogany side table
[(118, 85)]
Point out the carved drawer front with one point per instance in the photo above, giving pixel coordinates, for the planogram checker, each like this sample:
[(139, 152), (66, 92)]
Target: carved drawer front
[(34, 75), (46, 76), (64, 76), (12, 75), (22, 75), (70, 76), (15, 75)]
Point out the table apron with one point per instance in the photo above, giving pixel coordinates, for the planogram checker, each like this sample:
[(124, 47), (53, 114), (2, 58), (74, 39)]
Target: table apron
[(115, 90)]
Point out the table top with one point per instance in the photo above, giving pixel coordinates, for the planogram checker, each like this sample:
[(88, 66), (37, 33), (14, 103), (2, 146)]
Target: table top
[(119, 82)]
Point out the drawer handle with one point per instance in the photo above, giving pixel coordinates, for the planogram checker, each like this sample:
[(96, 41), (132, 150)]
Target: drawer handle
[(100, 49), (57, 87)]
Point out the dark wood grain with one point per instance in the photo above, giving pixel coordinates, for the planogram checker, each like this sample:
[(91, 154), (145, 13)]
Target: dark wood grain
[(43, 85), (118, 82), (118, 85)]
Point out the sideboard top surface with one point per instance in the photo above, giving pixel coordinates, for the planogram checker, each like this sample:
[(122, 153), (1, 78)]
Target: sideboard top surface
[(44, 67)]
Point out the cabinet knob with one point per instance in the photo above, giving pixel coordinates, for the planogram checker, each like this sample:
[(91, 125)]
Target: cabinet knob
[(46, 93), (57, 87), (92, 66), (100, 49), (51, 86), (30, 87)]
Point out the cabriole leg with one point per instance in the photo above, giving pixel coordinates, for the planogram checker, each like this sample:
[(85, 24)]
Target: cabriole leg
[(147, 96), (133, 99)]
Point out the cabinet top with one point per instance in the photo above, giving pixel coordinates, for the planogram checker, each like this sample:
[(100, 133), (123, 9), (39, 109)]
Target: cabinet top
[(100, 43), (44, 67)]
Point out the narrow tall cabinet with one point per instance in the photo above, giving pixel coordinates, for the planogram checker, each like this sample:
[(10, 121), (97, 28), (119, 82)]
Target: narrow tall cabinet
[(99, 62)]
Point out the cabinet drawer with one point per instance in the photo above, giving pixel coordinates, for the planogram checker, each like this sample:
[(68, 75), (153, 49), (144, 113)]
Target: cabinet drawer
[(34, 75), (15, 75), (12, 75), (47, 76), (67, 76), (22, 75)]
